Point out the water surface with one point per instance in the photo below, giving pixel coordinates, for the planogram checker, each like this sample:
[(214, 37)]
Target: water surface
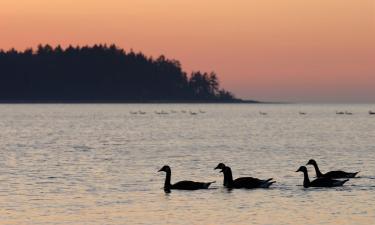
[(97, 164)]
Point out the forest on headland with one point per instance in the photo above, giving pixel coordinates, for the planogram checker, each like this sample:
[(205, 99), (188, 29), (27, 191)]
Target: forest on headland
[(101, 73)]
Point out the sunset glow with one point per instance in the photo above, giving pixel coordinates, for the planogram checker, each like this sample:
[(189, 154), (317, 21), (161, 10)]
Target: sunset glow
[(291, 50)]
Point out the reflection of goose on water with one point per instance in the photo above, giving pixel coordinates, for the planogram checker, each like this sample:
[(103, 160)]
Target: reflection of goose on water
[(182, 185), (371, 112), (242, 182), (319, 182), (331, 174)]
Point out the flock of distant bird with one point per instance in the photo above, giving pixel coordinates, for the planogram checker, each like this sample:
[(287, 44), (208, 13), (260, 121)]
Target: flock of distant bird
[(337, 113), (162, 112), (329, 179)]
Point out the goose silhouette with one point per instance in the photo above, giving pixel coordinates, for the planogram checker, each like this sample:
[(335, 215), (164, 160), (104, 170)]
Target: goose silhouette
[(330, 174), (242, 182), (181, 185)]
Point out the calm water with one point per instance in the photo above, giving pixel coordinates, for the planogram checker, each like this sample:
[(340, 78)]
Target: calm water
[(97, 164)]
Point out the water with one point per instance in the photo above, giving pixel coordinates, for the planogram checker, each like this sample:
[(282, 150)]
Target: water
[(97, 164)]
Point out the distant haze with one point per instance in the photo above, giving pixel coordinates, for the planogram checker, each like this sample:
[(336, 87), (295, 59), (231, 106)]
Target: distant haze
[(290, 50)]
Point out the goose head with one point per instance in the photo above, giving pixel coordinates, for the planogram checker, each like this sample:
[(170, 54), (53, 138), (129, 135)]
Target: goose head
[(220, 166), (311, 162), (302, 169), (165, 169)]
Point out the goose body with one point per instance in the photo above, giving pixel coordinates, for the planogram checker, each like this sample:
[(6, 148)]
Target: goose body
[(331, 174), (242, 182), (181, 185), (319, 182)]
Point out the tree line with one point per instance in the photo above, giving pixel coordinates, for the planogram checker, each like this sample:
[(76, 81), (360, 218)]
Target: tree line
[(101, 73)]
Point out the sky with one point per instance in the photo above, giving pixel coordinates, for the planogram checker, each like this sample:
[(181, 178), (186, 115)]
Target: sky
[(270, 50)]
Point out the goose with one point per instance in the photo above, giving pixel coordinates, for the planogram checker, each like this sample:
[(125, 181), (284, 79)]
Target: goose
[(348, 113), (242, 182), (330, 174), (371, 112), (182, 185), (339, 113), (263, 113), (319, 182)]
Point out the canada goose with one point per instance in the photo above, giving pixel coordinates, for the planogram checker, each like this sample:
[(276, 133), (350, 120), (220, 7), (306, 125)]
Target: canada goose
[(330, 174), (182, 185), (319, 182), (242, 182)]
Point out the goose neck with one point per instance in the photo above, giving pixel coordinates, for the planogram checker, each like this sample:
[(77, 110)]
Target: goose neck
[(306, 180)]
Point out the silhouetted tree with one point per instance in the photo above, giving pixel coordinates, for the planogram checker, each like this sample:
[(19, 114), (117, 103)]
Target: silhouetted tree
[(100, 73)]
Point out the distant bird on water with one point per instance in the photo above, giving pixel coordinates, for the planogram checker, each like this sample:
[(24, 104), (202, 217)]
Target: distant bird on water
[(242, 182), (319, 182), (330, 174), (371, 112), (182, 185)]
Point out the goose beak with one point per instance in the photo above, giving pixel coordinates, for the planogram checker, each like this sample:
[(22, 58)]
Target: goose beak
[(297, 170), (160, 170), (216, 168)]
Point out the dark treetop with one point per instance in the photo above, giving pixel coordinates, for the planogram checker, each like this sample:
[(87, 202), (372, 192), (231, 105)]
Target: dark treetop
[(101, 73)]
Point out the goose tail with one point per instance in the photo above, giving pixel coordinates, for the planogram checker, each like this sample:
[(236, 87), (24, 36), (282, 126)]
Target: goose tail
[(206, 185), (352, 175), (267, 184)]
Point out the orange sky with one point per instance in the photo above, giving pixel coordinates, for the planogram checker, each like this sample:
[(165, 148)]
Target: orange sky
[(292, 50)]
